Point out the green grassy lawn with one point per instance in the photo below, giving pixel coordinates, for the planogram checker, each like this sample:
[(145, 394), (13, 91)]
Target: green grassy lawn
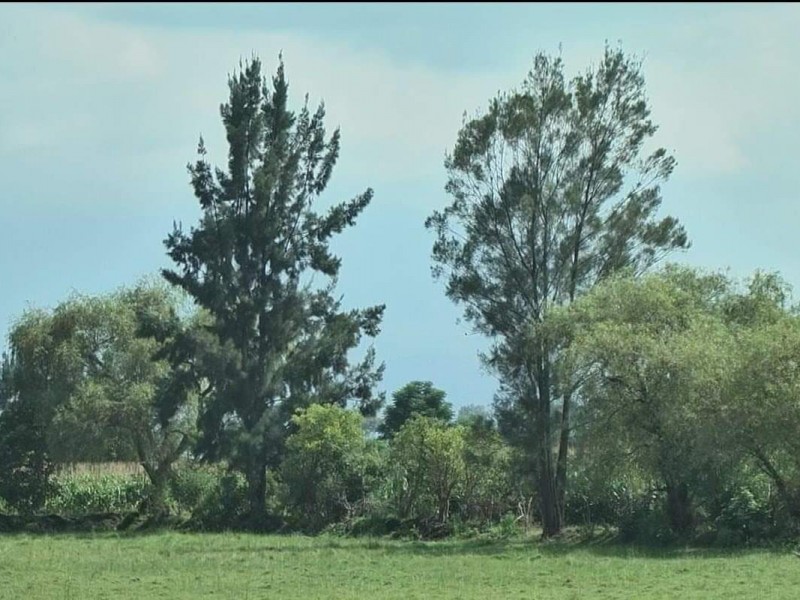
[(176, 565)]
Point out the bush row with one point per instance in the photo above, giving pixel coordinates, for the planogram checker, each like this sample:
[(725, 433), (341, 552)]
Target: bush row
[(211, 497), (429, 480)]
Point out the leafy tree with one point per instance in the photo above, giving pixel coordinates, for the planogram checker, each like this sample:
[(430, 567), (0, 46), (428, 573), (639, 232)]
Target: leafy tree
[(429, 458), (38, 375), (551, 192), (325, 464), (44, 364), (415, 398), (655, 356), (90, 381), (692, 382), (487, 486), (134, 393), (760, 416), (283, 340)]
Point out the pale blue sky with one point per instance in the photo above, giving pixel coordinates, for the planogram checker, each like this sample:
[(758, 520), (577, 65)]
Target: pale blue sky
[(101, 107)]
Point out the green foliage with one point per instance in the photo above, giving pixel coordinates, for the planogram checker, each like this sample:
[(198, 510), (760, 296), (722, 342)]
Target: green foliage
[(744, 518), (655, 356), (508, 526), (415, 398), (766, 431), (691, 381), (607, 503), (91, 376), (191, 484), (278, 343), (25, 466), (647, 523), (475, 415), (326, 469), (36, 376), (223, 505), (487, 491), (428, 458)]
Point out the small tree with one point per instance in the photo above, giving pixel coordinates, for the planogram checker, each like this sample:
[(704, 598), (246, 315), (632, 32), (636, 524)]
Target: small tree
[(487, 469), (415, 398), (324, 466), (39, 373), (429, 459)]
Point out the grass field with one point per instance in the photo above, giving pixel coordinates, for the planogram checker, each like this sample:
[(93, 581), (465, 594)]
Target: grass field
[(175, 565)]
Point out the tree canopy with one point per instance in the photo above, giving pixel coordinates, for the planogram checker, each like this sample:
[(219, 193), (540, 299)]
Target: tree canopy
[(415, 398)]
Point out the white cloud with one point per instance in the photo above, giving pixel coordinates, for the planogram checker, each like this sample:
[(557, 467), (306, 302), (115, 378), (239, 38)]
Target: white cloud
[(722, 85), (131, 93), (93, 85)]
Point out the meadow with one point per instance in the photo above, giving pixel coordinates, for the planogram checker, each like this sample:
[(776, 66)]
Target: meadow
[(181, 565)]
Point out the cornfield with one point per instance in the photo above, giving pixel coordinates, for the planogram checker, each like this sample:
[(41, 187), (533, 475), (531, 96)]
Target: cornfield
[(100, 468), (81, 493)]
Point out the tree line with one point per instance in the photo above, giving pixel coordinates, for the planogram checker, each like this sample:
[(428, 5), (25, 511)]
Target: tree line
[(659, 399)]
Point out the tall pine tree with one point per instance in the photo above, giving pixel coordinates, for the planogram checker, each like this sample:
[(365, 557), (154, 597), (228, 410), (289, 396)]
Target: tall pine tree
[(280, 342)]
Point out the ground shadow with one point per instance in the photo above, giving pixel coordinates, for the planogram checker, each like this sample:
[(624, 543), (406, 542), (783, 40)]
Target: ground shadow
[(606, 547), (605, 544)]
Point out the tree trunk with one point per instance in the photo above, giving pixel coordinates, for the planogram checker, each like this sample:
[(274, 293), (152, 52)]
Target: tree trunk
[(552, 519), (552, 516), (156, 501), (158, 495), (257, 490), (444, 508), (679, 507), (561, 465), (158, 469)]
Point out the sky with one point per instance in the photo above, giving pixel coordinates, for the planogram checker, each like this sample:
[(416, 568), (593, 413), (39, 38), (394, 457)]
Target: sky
[(101, 107)]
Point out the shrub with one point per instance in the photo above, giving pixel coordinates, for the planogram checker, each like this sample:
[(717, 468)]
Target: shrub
[(608, 503), (743, 519), (645, 521), (224, 505), (25, 467), (508, 526), (191, 484), (326, 471), (487, 492), (372, 525)]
